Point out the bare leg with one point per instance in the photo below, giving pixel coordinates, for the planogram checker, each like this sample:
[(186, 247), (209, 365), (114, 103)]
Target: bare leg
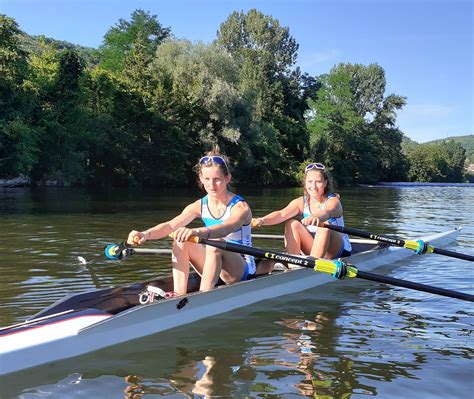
[(233, 267), (265, 266), (298, 238), (212, 268), (183, 254), (327, 244), (209, 262)]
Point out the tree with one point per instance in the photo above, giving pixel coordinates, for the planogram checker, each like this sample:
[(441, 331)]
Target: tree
[(18, 151), (353, 126), (120, 41), (266, 53), (440, 162), (62, 124)]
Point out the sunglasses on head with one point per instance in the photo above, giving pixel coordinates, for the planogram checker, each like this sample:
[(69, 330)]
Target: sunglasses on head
[(216, 159), (314, 165)]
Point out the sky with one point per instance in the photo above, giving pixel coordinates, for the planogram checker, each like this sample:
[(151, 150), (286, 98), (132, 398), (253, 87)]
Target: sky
[(424, 46)]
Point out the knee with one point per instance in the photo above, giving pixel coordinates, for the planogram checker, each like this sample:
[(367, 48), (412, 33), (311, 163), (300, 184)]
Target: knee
[(322, 232), (213, 252), (180, 247), (291, 225)]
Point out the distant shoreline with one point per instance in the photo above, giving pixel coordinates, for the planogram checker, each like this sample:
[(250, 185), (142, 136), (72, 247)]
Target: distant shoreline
[(22, 181), (418, 184)]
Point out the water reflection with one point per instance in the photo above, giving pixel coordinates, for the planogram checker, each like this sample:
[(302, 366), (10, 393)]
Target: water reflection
[(346, 340), (335, 351), (307, 349)]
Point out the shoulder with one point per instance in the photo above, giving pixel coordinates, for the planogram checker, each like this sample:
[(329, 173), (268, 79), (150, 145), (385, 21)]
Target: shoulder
[(235, 200), (241, 204), (297, 202), (194, 207), (333, 198), (333, 202)]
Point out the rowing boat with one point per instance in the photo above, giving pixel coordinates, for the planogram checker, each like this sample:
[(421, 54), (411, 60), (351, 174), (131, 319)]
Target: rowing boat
[(93, 320)]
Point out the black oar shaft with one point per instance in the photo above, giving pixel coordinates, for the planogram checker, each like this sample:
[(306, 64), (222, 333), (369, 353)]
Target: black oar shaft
[(393, 241), (452, 254), (311, 263), (259, 253), (414, 286), (364, 234)]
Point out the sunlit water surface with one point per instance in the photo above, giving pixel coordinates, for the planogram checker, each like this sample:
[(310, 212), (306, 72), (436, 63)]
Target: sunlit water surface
[(349, 339)]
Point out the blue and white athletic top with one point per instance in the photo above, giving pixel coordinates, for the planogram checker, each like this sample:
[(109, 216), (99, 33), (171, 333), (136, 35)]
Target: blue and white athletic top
[(242, 236), (339, 221)]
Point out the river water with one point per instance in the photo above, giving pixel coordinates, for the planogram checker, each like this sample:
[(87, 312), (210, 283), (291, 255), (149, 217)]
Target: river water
[(352, 339)]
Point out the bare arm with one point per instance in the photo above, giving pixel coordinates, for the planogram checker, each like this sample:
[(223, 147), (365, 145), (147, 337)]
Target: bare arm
[(294, 208), (164, 229)]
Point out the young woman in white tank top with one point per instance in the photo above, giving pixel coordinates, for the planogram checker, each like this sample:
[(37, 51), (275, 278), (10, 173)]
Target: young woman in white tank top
[(301, 216), (224, 214)]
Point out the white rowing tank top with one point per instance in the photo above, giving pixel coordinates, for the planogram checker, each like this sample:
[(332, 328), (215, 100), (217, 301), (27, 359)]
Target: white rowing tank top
[(339, 221), (242, 235)]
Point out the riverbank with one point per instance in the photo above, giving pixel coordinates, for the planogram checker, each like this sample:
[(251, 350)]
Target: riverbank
[(418, 184), (20, 181)]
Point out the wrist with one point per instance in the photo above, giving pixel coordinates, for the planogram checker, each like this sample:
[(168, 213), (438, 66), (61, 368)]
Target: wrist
[(207, 232), (147, 234)]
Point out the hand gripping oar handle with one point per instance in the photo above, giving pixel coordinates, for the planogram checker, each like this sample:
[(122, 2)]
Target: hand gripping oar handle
[(419, 246), (338, 268)]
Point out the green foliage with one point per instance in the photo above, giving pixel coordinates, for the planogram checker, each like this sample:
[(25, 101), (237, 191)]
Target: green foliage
[(144, 107), (13, 59), (352, 125), (129, 144), (467, 142), (265, 53), (437, 163), (143, 29), (18, 151), (61, 124), (409, 148), (18, 146), (35, 46), (197, 87)]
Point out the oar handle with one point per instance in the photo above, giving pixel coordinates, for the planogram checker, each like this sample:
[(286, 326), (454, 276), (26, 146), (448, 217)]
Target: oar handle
[(194, 239)]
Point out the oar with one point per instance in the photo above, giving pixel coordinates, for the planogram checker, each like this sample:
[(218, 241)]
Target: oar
[(419, 246), (338, 268), (122, 250)]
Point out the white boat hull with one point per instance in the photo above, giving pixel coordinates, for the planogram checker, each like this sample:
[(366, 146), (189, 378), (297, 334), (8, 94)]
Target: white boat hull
[(62, 340)]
